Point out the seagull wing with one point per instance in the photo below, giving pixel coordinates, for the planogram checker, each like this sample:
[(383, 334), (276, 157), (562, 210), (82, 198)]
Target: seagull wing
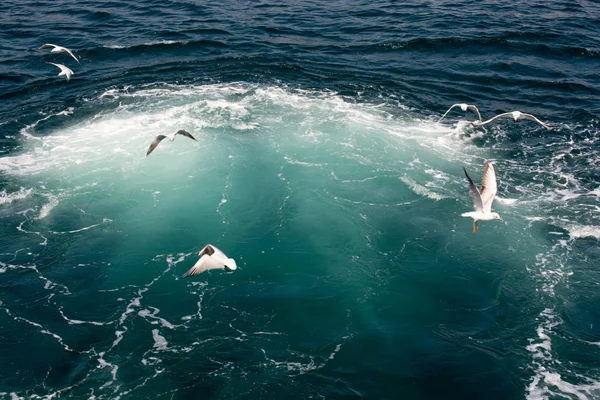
[(184, 133), (205, 263), (70, 53), (474, 108), (155, 143), (63, 70), (474, 193), (488, 187), (218, 253), (535, 119), (495, 118), (454, 105), (47, 45), (208, 250)]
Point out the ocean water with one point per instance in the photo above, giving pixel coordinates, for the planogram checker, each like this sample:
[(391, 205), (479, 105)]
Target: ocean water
[(320, 167)]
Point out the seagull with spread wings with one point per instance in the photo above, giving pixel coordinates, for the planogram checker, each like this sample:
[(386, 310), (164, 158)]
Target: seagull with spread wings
[(211, 258), (171, 137), (483, 198), (516, 116), (59, 49), (464, 107), (63, 70)]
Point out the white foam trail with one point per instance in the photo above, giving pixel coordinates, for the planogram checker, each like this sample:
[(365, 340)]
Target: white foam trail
[(46, 208), (41, 330), (583, 231), (79, 322), (7, 198), (160, 343), (506, 201), (158, 320), (104, 221), (421, 190)]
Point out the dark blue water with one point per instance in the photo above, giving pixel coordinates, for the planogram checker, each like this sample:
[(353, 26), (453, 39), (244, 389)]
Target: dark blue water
[(320, 167)]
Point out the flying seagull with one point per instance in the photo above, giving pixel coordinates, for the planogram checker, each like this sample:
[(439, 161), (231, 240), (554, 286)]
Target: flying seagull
[(171, 137), (59, 49), (211, 258), (516, 116), (483, 198), (464, 107), (63, 70)]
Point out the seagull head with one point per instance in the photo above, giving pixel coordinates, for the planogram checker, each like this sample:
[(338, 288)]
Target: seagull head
[(495, 215), (463, 106), (516, 115), (229, 265)]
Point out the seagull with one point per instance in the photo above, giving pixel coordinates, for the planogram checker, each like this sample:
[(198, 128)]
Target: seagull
[(483, 198), (211, 258), (63, 70), (516, 115), (59, 49), (171, 137), (464, 107)]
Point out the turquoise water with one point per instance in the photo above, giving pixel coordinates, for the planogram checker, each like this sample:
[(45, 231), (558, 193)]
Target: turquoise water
[(320, 168)]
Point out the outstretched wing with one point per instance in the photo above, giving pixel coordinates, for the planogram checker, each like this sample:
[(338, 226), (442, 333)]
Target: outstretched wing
[(70, 53), (63, 69), (446, 113), (488, 187), (474, 108), (201, 265), (47, 45), (185, 133), (535, 119), (495, 118), (155, 143), (474, 193)]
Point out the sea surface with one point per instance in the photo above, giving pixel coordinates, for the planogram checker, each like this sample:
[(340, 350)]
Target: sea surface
[(320, 167)]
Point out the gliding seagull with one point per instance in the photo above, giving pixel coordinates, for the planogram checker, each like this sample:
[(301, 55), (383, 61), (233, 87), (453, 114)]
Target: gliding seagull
[(464, 107), (516, 115), (171, 137), (63, 70), (483, 198), (59, 49), (211, 258)]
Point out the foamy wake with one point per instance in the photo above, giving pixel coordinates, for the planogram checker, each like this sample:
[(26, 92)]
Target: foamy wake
[(583, 231), (7, 198), (421, 190)]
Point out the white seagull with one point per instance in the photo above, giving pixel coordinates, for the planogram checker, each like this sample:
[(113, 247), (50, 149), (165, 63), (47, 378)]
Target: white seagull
[(63, 70), (483, 198), (516, 116), (171, 137), (59, 49), (464, 107), (211, 258)]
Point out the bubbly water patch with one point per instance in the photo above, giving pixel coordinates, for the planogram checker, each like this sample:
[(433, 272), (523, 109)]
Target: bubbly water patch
[(46, 208), (582, 231), (421, 190), (8, 198), (160, 343), (268, 154)]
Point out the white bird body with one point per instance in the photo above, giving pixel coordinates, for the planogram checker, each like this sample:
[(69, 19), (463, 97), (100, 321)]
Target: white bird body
[(484, 197), (59, 49), (211, 258), (516, 116), (63, 70), (464, 107), (171, 137)]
